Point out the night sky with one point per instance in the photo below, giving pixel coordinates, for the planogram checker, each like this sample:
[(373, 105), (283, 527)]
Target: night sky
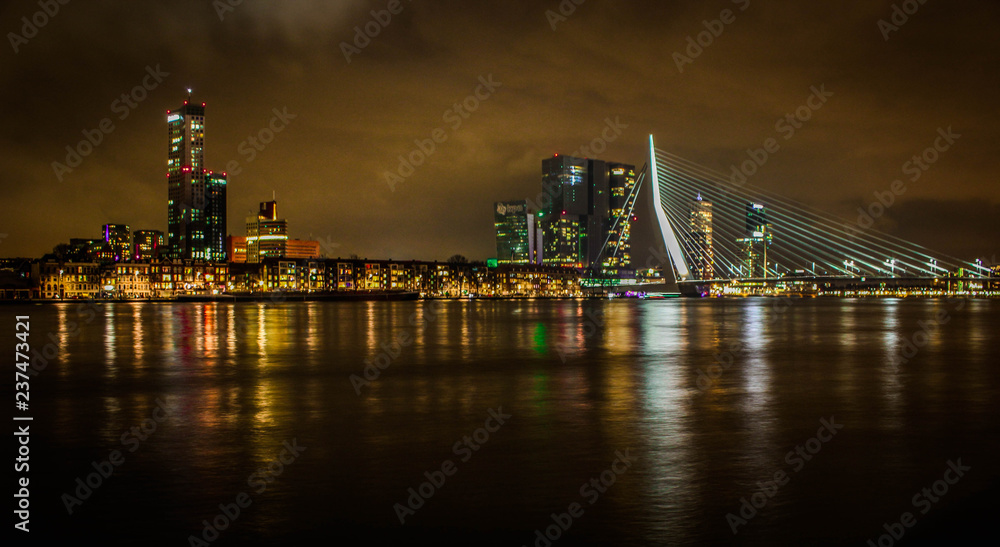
[(608, 60)]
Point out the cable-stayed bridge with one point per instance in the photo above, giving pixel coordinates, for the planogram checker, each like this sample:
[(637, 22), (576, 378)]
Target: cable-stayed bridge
[(729, 236)]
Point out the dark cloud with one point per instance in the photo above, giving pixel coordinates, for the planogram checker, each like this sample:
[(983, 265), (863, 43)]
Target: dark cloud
[(608, 59)]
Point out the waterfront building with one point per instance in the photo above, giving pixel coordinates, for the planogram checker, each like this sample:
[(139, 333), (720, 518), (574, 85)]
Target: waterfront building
[(146, 245), (703, 253), (755, 242), (519, 237), (196, 196), (119, 239), (585, 218), (267, 235), (236, 249)]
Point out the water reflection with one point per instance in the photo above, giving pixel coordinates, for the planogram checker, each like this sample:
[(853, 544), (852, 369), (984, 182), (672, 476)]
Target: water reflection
[(582, 379)]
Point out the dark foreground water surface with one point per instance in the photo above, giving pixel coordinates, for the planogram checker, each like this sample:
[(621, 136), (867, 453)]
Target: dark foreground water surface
[(622, 390)]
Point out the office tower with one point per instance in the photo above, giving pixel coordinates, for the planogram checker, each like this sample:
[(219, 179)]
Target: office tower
[(702, 252), (146, 245), (215, 217), (518, 236), (586, 221), (267, 235), (196, 197), (621, 206), (119, 238), (598, 218), (755, 242), (564, 209)]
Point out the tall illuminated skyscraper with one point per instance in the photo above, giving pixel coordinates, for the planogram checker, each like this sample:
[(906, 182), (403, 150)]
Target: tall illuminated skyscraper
[(196, 197), (621, 204), (703, 254), (563, 216), (586, 223), (755, 242)]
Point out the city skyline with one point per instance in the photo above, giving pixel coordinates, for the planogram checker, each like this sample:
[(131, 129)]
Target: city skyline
[(337, 146)]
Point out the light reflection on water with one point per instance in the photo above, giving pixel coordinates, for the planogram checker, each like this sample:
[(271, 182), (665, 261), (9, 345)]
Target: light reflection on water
[(582, 379)]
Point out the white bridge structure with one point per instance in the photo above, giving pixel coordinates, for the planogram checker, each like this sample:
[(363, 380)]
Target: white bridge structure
[(717, 230)]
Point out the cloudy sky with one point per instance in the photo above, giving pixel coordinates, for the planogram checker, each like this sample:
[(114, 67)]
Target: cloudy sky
[(556, 88)]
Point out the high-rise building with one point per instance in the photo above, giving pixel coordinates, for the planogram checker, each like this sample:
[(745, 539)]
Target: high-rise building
[(267, 235), (564, 222), (215, 216), (703, 253), (621, 206), (146, 245), (755, 242), (119, 238), (587, 222), (519, 238), (196, 197)]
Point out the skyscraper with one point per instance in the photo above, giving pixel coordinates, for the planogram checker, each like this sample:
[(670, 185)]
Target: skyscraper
[(215, 217), (119, 238), (621, 183), (519, 238), (587, 222), (196, 197), (755, 242), (564, 183), (267, 235), (703, 254)]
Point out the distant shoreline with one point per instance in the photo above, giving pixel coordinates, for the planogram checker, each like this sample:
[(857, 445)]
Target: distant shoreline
[(413, 297)]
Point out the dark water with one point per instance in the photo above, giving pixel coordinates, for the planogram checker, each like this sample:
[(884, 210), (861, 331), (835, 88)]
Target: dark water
[(581, 381)]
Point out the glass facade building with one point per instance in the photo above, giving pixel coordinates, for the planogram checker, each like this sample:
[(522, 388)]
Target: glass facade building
[(518, 235), (196, 197)]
